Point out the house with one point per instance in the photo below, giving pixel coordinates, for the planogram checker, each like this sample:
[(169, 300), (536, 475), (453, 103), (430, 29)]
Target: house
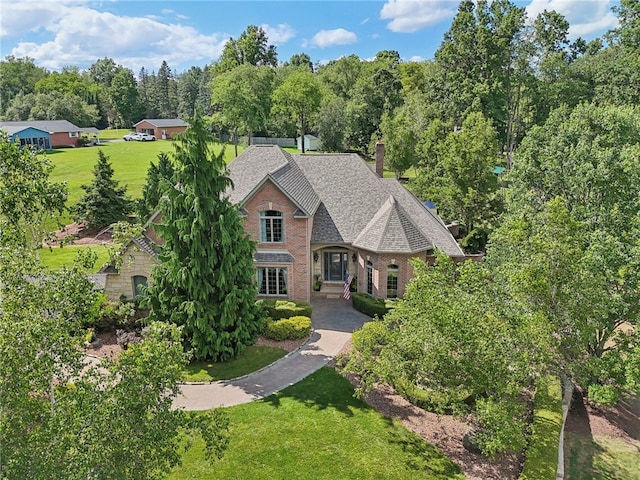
[(310, 143), (162, 128), (329, 216), (62, 133), (326, 217), (29, 136)]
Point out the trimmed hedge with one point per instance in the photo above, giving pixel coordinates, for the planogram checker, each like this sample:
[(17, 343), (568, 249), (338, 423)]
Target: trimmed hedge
[(279, 309), (369, 305), (292, 328)]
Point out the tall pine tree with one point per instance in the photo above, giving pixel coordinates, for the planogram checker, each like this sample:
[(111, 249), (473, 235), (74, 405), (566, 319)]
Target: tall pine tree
[(104, 202), (205, 278), (157, 178)]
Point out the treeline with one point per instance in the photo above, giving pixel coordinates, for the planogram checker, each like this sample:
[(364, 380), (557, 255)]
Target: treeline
[(449, 120)]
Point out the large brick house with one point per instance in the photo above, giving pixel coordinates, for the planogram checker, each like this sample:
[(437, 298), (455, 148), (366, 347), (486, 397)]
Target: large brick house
[(161, 128), (322, 218)]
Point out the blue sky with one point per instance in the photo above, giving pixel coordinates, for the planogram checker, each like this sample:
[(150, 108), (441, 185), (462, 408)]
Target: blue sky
[(185, 33)]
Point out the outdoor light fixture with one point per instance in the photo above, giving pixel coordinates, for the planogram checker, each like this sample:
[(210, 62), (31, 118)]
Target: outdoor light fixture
[(315, 256), (354, 257)]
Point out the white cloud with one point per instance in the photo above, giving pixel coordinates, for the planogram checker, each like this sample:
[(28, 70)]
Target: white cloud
[(166, 11), (417, 59), (329, 38), (366, 20), (279, 34), (408, 16), (181, 17), (81, 35), (585, 17)]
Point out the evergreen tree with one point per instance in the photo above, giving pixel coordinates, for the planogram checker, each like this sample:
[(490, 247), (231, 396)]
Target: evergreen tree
[(205, 278), (157, 178), (104, 202)]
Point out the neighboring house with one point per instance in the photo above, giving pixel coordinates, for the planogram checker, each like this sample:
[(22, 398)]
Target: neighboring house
[(161, 128), (328, 216), (28, 136), (62, 133), (310, 143)]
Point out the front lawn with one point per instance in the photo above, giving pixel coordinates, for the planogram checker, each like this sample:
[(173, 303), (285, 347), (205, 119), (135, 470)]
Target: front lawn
[(601, 457), (317, 430), (251, 359)]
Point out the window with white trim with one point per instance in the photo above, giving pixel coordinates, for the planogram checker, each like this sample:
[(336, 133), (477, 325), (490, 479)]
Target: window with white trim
[(272, 281), (271, 226)]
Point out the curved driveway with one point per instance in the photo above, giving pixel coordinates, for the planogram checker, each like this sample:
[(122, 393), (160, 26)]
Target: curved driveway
[(333, 321)]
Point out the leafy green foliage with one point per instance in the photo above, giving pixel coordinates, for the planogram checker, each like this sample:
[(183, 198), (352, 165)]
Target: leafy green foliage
[(205, 278), (292, 328), (454, 343), (104, 202), (28, 198), (250, 48), (299, 96)]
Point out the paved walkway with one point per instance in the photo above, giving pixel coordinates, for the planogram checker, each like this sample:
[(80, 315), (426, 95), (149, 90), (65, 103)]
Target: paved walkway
[(333, 321)]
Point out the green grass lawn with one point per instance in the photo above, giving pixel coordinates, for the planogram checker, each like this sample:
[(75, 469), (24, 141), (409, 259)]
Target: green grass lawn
[(317, 430), (542, 454), (601, 458), (114, 134), (130, 162), (251, 359), (57, 257)]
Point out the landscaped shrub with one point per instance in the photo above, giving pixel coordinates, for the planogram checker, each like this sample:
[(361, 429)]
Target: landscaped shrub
[(602, 395), (124, 338), (369, 305), (289, 328), (279, 309)]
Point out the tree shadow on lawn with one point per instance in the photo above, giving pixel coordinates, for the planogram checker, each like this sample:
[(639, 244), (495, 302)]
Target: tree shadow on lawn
[(321, 390), (579, 447), (326, 389)]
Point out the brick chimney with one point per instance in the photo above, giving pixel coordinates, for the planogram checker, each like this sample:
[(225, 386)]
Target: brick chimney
[(380, 158)]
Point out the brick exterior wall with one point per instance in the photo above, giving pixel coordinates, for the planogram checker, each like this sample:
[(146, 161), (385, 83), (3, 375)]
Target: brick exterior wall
[(380, 264), (296, 234), (135, 262), (157, 131), (62, 139)]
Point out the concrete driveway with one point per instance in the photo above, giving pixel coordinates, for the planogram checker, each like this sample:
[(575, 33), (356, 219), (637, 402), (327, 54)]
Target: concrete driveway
[(334, 320)]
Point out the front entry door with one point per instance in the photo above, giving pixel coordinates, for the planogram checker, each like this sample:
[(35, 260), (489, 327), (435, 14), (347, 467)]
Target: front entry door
[(335, 266)]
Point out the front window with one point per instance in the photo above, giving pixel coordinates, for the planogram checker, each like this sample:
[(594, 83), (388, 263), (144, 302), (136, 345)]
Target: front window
[(392, 281), (270, 226), (139, 285), (272, 281), (370, 278)]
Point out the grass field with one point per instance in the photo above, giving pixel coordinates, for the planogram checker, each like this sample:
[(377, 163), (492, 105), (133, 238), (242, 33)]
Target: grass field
[(601, 458), (250, 360), (130, 162), (57, 257), (317, 430)]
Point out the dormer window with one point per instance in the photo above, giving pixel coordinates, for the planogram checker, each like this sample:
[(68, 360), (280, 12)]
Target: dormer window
[(271, 226)]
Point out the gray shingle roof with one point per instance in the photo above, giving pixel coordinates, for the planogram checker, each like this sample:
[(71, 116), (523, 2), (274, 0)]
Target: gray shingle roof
[(164, 122), (350, 203), (51, 126), (259, 163), (11, 129), (273, 257)]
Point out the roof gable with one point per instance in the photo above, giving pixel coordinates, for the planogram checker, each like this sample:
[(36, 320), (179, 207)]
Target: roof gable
[(260, 163)]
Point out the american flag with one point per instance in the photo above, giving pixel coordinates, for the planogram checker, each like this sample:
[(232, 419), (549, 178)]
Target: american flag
[(347, 287)]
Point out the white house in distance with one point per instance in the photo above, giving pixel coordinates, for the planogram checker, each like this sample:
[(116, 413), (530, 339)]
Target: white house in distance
[(310, 143)]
